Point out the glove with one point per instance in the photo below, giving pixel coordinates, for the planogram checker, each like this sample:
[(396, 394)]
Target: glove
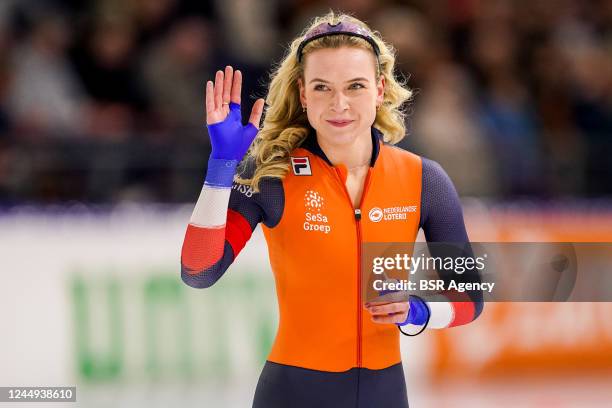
[(230, 141), (418, 313)]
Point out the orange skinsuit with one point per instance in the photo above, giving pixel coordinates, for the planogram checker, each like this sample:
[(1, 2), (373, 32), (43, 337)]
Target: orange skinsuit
[(318, 272)]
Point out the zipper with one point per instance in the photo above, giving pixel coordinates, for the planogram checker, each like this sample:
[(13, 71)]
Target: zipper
[(357, 216), (359, 301)]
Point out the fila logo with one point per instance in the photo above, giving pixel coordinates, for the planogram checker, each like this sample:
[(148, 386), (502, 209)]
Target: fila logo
[(301, 166)]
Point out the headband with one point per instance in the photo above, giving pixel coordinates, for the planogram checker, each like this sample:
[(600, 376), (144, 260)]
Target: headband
[(342, 27)]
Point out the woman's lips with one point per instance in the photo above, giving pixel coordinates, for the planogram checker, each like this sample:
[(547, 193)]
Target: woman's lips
[(339, 123)]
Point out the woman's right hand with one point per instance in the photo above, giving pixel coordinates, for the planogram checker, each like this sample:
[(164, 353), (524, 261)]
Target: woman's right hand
[(229, 139)]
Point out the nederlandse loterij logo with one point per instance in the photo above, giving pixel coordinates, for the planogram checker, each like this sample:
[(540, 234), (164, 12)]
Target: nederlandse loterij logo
[(314, 204), (377, 214), (301, 166)]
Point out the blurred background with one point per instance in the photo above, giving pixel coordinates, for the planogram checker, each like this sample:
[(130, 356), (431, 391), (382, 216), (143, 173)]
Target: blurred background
[(103, 154)]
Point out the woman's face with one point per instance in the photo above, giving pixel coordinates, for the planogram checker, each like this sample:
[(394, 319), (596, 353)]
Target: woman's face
[(341, 92)]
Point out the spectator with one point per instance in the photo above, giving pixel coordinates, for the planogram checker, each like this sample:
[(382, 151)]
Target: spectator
[(175, 71), (45, 94), (105, 61), (445, 129)]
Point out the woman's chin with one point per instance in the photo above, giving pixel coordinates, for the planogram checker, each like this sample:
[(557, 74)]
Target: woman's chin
[(341, 136)]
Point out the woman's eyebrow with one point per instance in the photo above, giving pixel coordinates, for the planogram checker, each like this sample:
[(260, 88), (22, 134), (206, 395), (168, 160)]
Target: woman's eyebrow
[(358, 79), (327, 82)]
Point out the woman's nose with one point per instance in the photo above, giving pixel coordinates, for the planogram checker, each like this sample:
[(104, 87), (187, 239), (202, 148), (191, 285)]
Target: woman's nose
[(339, 102)]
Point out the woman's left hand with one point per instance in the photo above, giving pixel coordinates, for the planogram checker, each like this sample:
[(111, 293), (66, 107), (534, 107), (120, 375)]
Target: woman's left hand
[(395, 312)]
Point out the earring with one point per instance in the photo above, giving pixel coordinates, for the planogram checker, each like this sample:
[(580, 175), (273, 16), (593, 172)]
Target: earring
[(303, 109)]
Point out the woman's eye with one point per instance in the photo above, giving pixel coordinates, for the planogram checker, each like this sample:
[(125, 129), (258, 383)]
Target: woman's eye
[(320, 87), (356, 85)]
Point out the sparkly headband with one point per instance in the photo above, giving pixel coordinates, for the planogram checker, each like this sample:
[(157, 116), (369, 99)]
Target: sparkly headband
[(343, 27)]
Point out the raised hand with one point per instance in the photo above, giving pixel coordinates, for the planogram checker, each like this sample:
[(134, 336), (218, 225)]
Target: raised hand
[(229, 138)]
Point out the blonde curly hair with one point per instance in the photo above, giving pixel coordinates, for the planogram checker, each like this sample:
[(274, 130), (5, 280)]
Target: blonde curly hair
[(286, 125)]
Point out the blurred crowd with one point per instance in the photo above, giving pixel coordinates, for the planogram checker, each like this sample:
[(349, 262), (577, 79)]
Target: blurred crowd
[(102, 100)]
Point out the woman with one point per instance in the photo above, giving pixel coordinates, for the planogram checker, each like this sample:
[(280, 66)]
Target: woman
[(320, 173)]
